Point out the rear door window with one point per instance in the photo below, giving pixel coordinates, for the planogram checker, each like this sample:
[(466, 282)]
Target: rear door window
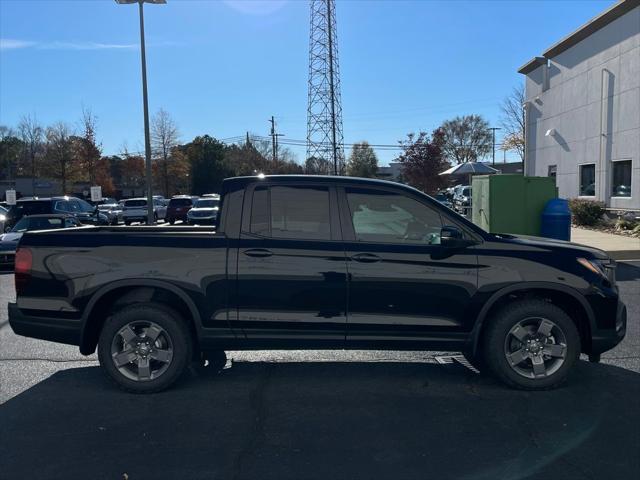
[(135, 203), (34, 207), (294, 212)]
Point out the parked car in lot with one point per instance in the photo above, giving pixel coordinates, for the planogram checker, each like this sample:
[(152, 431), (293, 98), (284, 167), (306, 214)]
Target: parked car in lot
[(205, 211), (462, 199), (9, 241), (178, 208), (112, 210), (82, 210), (310, 262), (3, 217), (135, 210), (443, 199)]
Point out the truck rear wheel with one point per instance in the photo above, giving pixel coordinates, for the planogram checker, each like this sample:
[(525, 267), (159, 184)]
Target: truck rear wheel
[(145, 348), (531, 345)]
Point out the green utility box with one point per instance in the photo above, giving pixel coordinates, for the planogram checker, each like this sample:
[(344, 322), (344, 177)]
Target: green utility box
[(511, 203)]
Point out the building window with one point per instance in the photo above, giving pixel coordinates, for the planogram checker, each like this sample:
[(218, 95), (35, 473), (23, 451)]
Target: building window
[(621, 179), (552, 171), (588, 180)]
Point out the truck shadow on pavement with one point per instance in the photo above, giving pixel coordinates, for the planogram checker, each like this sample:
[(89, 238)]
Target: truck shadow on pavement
[(626, 272), (325, 420)]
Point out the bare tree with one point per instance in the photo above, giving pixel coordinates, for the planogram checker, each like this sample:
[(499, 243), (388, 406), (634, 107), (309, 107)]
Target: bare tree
[(60, 163), (31, 134), (164, 137), (88, 152), (512, 121), (466, 139)]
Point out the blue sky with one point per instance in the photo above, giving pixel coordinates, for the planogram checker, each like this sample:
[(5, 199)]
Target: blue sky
[(224, 67)]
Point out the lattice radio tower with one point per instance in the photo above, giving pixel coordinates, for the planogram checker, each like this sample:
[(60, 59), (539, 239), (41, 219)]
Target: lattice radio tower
[(324, 111)]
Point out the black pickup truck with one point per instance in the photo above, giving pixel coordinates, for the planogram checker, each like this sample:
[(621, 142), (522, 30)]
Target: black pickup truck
[(309, 262)]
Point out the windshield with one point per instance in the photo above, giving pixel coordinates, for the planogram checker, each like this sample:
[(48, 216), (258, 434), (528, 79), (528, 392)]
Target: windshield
[(37, 223), (135, 203), (207, 203), (85, 206), (34, 207), (180, 202)]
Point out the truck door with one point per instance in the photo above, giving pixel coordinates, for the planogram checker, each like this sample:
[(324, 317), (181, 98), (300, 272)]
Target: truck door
[(403, 285), (291, 275)]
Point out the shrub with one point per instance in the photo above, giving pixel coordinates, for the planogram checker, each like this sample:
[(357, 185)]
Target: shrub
[(625, 224), (586, 212)]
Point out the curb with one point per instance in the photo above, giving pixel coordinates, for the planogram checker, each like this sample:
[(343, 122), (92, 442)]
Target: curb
[(625, 254)]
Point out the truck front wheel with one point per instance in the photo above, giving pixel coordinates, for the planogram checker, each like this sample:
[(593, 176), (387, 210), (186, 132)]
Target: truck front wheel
[(531, 345), (145, 348)]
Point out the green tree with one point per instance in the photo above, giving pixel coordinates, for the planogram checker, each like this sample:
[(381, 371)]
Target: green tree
[(362, 161), (11, 149), (466, 139), (206, 156), (422, 161)]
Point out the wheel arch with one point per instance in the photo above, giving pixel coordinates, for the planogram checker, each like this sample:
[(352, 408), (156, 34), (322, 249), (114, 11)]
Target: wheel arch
[(129, 291), (567, 298)]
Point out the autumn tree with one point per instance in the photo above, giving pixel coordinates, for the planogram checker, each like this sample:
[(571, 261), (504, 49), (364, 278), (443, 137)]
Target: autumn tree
[(422, 160), (512, 121), (164, 137), (247, 158), (466, 139), (131, 171), (363, 161), (60, 162)]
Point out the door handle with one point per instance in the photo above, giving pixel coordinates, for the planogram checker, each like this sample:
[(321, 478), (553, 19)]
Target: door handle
[(365, 257), (258, 252)]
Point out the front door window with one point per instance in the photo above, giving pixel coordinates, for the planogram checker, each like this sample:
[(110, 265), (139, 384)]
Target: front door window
[(381, 216)]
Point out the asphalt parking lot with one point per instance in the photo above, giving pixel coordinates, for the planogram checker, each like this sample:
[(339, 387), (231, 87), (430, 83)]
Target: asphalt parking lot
[(318, 415)]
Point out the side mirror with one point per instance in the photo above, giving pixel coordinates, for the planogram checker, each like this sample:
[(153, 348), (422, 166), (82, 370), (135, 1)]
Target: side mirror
[(452, 237)]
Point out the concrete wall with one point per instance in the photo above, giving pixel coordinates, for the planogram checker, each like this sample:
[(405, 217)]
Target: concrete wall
[(593, 104)]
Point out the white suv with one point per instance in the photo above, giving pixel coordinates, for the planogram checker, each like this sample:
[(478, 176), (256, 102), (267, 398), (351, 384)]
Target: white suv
[(135, 210)]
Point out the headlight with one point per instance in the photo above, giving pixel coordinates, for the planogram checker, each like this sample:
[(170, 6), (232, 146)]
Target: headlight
[(604, 268)]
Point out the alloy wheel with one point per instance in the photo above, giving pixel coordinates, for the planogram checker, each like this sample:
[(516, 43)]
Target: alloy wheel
[(535, 347), (142, 351)]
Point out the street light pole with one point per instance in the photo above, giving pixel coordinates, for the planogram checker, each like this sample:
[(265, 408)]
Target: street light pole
[(145, 106), (493, 130), (147, 139)]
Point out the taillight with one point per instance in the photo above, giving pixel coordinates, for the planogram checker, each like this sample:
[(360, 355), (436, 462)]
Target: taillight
[(22, 269)]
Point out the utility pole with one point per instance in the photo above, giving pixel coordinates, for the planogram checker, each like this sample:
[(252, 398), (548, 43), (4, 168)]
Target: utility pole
[(493, 131), (274, 140)]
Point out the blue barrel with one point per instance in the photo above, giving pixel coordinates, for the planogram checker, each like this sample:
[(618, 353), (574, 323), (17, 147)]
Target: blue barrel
[(556, 219)]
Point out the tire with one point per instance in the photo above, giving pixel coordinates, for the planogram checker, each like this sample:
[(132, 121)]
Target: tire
[(153, 366), (127, 222), (171, 221), (531, 345)]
